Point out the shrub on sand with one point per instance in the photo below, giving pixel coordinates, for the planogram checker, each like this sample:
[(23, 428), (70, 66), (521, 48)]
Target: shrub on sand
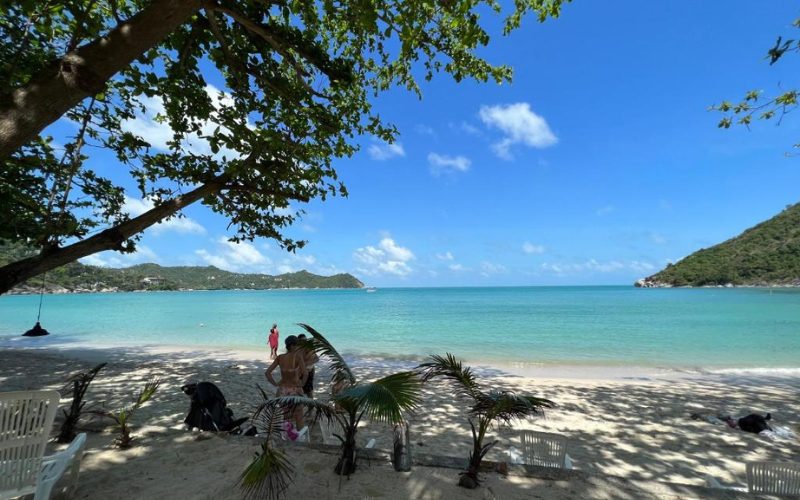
[(122, 418), (76, 386), (384, 400), (486, 408)]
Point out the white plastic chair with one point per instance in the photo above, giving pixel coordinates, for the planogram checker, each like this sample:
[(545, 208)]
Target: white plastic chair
[(26, 418), (54, 466), (774, 478), (328, 428), (545, 449), (767, 478)]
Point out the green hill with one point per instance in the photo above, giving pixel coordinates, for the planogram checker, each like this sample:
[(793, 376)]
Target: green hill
[(764, 255), (77, 277)]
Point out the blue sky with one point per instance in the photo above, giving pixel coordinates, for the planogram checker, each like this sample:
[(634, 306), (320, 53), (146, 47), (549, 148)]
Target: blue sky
[(598, 165)]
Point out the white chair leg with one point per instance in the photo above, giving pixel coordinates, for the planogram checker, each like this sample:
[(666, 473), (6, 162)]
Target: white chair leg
[(43, 490), (568, 462)]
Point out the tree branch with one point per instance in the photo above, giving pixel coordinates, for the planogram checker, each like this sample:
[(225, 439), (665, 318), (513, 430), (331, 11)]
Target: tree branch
[(112, 238), (81, 73), (257, 29)]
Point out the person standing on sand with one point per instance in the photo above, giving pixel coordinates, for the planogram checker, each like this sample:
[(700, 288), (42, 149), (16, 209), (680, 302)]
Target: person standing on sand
[(273, 341), (293, 377), (310, 358)]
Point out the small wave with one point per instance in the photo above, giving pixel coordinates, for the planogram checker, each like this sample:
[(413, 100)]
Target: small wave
[(789, 372)]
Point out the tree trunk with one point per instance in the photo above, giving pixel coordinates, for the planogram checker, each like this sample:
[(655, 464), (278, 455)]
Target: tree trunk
[(347, 462), (401, 458), (110, 239), (83, 72)]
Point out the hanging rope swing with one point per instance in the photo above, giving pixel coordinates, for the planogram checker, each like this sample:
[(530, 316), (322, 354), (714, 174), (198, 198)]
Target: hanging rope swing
[(37, 330)]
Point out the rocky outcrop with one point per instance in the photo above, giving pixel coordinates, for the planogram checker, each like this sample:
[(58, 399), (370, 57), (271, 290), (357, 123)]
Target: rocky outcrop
[(651, 283)]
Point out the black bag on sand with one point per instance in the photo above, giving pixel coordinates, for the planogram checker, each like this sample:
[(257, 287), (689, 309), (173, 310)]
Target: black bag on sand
[(754, 423), (208, 410)]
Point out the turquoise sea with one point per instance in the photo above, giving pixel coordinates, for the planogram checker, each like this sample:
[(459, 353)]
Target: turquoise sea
[(673, 328)]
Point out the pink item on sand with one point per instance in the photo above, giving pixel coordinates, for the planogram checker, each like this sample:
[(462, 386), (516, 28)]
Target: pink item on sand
[(290, 431)]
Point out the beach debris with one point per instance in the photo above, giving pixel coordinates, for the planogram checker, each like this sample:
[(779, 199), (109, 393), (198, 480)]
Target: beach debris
[(779, 433)]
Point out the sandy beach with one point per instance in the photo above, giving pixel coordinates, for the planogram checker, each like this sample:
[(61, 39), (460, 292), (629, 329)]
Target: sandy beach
[(629, 435)]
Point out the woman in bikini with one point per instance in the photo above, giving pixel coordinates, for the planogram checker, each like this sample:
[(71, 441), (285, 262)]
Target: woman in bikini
[(293, 376)]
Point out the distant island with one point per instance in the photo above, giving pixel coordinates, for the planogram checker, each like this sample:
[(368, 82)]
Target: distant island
[(767, 254), (81, 278)]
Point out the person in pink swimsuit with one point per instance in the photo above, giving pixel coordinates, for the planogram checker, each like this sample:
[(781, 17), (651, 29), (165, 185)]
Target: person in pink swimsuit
[(293, 377), (273, 341)]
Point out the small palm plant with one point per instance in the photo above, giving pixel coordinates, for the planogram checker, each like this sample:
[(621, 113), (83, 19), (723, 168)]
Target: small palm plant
[(270, 472), (487, 408), (122, 418), (384, 400), (76, 386)]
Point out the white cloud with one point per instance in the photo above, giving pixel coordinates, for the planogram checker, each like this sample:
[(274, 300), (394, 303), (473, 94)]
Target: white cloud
[(142, 255), (151, 125), (658, 238), (235, 257), (285, 211), (456, 267), (602, 211), (294, 263), (385, 151), (445, 256), (641, 267), (520, 125), (135, 207), (470, 129), (448, 164), (489, 268), (595, 266), (387, 258), (530, 248), (423, 129)]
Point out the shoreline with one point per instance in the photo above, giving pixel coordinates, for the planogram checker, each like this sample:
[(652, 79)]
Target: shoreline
[(66, 291), (92, 351), (660, 286)]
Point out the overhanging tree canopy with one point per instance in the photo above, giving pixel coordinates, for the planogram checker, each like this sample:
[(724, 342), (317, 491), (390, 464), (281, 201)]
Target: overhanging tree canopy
[(754, 105), (299, 78)]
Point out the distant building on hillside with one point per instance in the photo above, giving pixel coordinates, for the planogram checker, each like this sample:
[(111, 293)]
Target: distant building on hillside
[(152, 280)]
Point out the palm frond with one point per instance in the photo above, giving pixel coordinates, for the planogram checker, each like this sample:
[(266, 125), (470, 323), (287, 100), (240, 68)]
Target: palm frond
[(385, 399), (271, 413), (147, 392), (83, 378), (268, 475), (319, 344), (488, 446), (448, 366), (508, 406)]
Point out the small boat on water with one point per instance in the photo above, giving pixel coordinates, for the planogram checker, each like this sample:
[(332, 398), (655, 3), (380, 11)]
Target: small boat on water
[(371, 289)]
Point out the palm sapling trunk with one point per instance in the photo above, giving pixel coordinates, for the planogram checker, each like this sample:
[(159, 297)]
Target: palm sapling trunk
[(77, 385)]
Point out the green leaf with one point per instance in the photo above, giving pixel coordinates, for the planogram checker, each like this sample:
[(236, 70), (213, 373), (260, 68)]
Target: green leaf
[(386, 399)]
